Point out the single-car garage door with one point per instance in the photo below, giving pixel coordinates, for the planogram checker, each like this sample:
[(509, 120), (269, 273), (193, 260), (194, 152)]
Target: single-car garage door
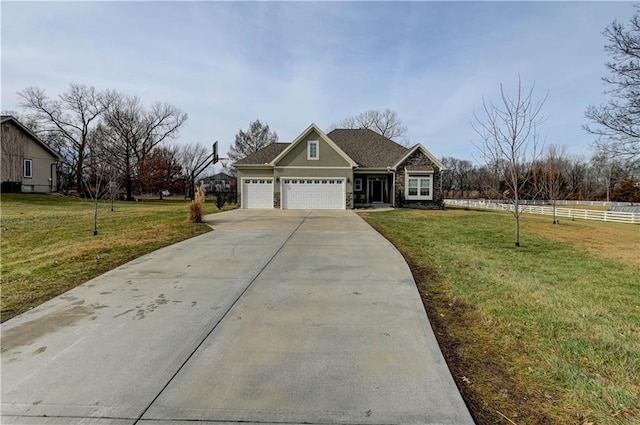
[(257, 193), (326, 193)]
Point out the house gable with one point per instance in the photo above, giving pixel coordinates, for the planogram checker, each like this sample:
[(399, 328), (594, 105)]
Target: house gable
[(298, 153), (418, 156), (418, 179), (9, 120), (28, 164)]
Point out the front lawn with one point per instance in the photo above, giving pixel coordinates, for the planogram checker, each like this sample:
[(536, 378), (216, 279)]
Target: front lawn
[(548, 333), (48, 245)]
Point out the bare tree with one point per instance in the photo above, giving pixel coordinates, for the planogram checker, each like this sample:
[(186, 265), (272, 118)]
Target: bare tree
[(98, 169), (192, 157), (448, 178), (72, 117), (618, 121), (607, 169), (386, 123), (255, 138), (135, 130), (576, 174), (192, 154), (509, 133), (463, 176), (554, 167), (478, 179), (458, 176)]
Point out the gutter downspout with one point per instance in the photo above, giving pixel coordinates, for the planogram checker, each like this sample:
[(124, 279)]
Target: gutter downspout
[(52, 173), (393, 186)]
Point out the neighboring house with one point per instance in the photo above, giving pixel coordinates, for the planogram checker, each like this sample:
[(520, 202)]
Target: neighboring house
[(345, 168), (221, 182), (28, 164)]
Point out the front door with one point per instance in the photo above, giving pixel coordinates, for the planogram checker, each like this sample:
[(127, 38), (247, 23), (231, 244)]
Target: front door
[(376, 188)]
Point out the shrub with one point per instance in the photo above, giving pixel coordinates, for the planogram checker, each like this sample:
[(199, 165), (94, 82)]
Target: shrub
[(220, 201)]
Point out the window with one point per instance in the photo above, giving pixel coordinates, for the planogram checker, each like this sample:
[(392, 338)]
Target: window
[(28, 168), (312, 149), (358, 185), (419, 187)]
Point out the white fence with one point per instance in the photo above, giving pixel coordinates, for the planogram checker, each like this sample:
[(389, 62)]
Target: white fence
[(560, 202), (613, 216)]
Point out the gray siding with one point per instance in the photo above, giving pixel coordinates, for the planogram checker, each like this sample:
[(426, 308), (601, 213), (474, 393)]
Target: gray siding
[(328, 156), (266, 173)]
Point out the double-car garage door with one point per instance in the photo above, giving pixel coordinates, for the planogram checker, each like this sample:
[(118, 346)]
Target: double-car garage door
[(296, 193), (327, 194)]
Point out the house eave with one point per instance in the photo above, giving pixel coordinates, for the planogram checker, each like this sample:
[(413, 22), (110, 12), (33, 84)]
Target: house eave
[(33, 136), (308, 167), (253, 166), (369, 170)]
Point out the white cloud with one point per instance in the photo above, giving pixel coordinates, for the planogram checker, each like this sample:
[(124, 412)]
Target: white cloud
[(291, 63)]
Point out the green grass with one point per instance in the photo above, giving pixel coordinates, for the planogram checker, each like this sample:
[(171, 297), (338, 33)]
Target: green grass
[(48, 245), (547, 333)]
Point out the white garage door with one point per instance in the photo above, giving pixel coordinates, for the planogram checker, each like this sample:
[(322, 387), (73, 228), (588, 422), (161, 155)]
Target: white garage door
[(257, 193), (327, 193)]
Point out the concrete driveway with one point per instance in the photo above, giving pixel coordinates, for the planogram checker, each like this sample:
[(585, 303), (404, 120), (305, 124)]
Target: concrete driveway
[(274, 317)]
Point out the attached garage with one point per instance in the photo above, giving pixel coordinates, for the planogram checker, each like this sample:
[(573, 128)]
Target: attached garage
[(313, 193), (257, 193)]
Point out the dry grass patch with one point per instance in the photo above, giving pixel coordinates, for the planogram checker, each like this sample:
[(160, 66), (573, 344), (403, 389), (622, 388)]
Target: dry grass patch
[(48, 245), (618, 242)]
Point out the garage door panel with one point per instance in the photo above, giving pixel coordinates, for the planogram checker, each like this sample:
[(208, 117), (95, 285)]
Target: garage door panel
[(257, 193), (321, 193)]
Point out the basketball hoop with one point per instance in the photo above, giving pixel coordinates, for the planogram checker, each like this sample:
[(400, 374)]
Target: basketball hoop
[(224, 162)]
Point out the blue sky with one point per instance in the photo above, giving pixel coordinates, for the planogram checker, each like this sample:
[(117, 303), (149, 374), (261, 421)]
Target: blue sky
[(293, 63)]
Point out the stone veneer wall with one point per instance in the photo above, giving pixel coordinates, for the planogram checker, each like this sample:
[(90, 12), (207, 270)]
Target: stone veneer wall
[(276, 200), (349, 200), (418, 161)]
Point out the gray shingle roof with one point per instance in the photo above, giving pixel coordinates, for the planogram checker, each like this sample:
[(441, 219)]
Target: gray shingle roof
[(368, 148), (264, 155)]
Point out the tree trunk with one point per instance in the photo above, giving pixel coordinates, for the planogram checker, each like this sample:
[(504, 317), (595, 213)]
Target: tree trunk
[(79, 180), (95, 215), (129, 188), (517, 217), (128, 182)]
